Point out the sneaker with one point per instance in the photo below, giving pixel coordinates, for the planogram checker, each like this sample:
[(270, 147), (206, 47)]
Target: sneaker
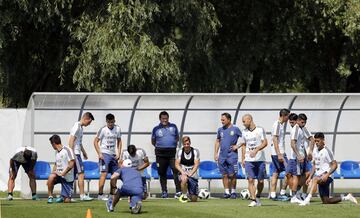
[(109, 205), (258, 202), (351, 198), (295, 200), (164, 194), (177, 195), (86, 198), (72, 200), (35, 198), (233, 195), (59, 200), (183, 198), (226, 196), (253, 204), (10, 197), (103, 197), (274, 199), (283, 198), (304, 203), (137, 208), (50, 199)]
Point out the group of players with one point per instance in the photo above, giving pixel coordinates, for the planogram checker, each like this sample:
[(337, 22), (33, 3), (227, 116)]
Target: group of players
[(129, 164)]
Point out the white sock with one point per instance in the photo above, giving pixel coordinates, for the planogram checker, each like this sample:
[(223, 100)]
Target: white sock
[(344, 198), (273, 194), (82, 196), (233, 190), (282, 192), (227, 191)]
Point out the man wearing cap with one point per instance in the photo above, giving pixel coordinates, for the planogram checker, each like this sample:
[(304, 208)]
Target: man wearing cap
[(132, 187)]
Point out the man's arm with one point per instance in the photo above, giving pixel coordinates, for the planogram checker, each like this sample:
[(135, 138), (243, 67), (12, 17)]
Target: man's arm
[(195, 168), (258, 148), (72, 142), (243, 152), (178, 167), (71, 164), (311, 147), (216, 150), (97, 147), (119, 147), (293, 147), (333, 167), (146, 164)]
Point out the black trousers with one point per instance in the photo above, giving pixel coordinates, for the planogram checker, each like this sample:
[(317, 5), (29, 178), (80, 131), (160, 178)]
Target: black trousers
[(163, 163)]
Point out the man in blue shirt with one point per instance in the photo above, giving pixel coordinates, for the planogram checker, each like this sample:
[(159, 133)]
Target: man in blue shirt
[(165, 137), (227, 157), (132, 187)]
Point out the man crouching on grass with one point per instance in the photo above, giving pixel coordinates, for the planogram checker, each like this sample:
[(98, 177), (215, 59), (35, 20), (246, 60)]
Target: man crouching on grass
[(63, 171), (325, 166)]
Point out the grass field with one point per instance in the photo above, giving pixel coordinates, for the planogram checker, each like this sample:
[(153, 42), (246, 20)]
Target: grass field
[(173, 208)]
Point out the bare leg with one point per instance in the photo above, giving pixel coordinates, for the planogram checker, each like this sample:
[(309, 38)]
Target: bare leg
[(327, 200), (251, 187), (11, 182), (50, 184), (225, 181), (260, 187), (233, 182), (81, 183), (274, 179), (102, 181), (32, 181)]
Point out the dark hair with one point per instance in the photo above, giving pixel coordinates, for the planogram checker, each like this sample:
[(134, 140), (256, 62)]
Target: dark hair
[(284, 112), (302, 117), (27, 154), (131, 149), (88, 115), (293, 116), (319, 135), (110, 117), (55, 139), (163, 113), (185, 138), (227, 115)]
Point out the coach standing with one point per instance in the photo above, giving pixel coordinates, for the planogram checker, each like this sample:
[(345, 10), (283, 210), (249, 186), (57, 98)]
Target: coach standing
[(165, 137)]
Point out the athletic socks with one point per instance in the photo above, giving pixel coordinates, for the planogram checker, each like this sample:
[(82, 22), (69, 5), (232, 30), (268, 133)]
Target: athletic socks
[(227, 191), (273, 195), (282, 192)]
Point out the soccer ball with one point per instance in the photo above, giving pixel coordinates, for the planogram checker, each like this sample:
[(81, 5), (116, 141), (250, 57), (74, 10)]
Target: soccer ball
[(245, 194), (204, 194)]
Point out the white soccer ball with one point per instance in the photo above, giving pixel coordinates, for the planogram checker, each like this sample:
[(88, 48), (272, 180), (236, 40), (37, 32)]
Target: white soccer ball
[(245, 194), (204, 194)]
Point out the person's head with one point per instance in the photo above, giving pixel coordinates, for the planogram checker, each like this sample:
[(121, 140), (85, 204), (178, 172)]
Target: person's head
[(110, 121), (132, 150), (186, 142), (319, 140), (293, 119), (27, 154), (301, 121), (284, 114), (247, 120), (87, 118), (225, 119), (164, 118), (55, 141)]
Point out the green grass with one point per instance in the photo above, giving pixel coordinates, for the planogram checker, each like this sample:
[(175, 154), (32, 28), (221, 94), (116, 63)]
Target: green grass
[(173, 208)]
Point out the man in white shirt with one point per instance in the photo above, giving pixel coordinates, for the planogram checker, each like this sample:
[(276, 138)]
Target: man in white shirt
[(63, 171), (108, 146), (253, 157), (75, 143), (324, 166)]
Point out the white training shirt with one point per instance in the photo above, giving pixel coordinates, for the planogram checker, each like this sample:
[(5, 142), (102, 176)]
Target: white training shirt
[(322, 159), (108, 139), (188, 157), (278, 129), (62, 158), (19, 154), (252, 140), (298, 134), (137, 160), (77, 132)]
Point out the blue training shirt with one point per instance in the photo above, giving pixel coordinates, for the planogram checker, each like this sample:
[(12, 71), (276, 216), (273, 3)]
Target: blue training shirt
[(228, 137), (131, 179), (165, 136)]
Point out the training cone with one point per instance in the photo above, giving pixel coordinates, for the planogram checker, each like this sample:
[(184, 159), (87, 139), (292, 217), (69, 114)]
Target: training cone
[(88, 213)]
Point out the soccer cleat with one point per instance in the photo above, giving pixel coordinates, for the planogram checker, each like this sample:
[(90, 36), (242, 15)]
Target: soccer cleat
[(10, 197), (253, 204), (137, 208), (103, 198), (177, 195), (226, 196), (35, 198), (282, 198), (295, 200), (258, 202), (86, 198), (109, 205), (72, 200), (50, 199), (233, 195), (164, 194), (274, 199), (304, 203), (351, 198), (183, 198), (59, 200)]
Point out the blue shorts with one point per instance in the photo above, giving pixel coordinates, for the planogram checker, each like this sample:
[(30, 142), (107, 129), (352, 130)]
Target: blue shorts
[(66, 187), (255, 170), (324, 189), (109, 164), (193, 185), (295, 168), (308, 166), (79, 166), (144, 183), (26, 166), (228, 166), (279, 167), (135, 195)]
